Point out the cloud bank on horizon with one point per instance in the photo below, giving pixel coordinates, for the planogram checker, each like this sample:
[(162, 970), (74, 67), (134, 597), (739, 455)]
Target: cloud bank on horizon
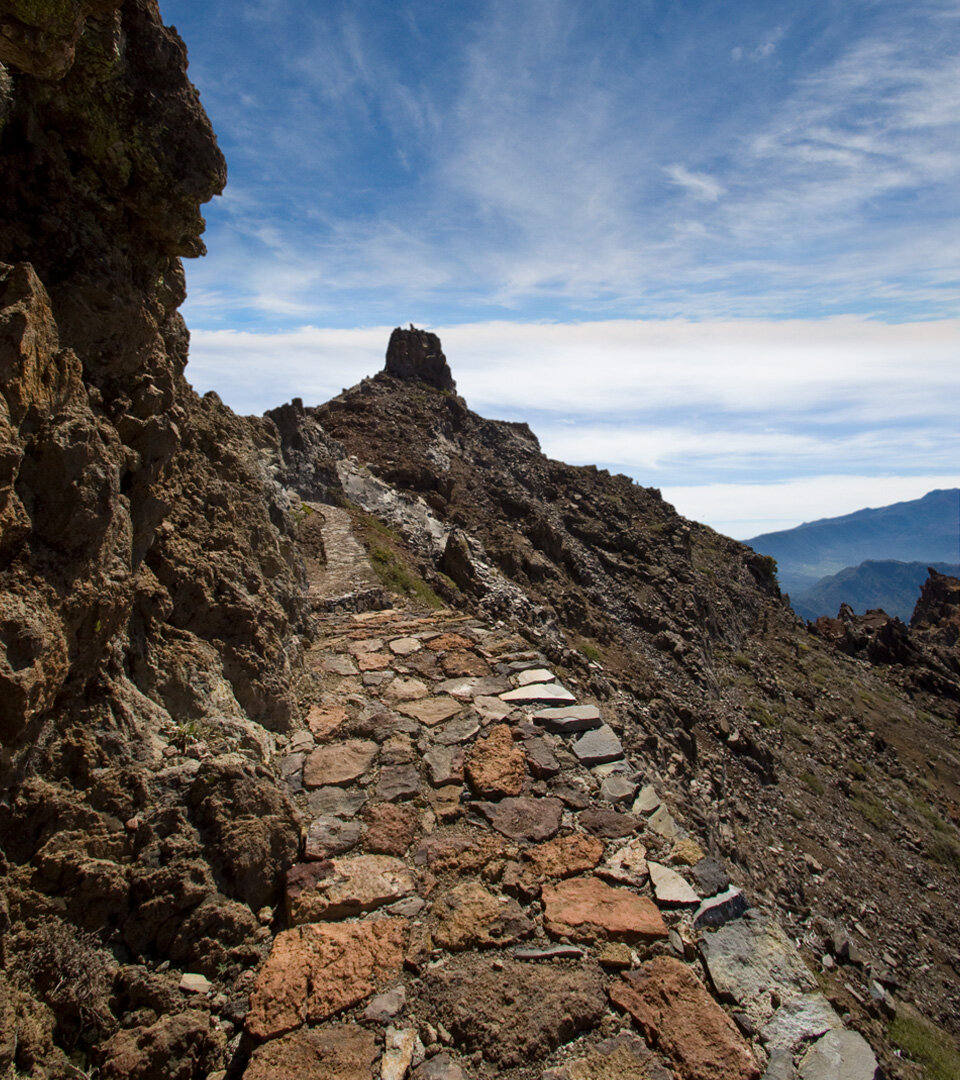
[(714, 246)]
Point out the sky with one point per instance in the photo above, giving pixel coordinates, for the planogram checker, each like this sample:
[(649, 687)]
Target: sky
[(712, 245)]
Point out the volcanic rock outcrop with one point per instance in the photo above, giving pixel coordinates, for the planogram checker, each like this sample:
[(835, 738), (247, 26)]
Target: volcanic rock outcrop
[(149, 586), (416, 356)]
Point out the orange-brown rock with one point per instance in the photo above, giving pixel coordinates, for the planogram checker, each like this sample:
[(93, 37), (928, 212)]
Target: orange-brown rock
[(471, 917), (340, 763), (344, 888), (315, 971), (390, 828), (678, 1016), (458, 852), (374, 661), (324, 722), (461, 663), (336, 1052), (449, 641), (588, 910), (496, 765), (565, 856), (187, 1038)]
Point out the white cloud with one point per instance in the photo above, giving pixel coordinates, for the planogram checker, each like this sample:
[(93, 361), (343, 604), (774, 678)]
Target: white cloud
[(798, 419), (700, 185)]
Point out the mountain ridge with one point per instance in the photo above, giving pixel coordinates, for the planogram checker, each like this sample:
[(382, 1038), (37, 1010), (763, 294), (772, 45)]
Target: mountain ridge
[(889, 585), (916, 530)]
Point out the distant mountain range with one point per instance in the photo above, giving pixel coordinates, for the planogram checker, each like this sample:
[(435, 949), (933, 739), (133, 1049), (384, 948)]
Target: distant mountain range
[(893, 586), (847, 559)]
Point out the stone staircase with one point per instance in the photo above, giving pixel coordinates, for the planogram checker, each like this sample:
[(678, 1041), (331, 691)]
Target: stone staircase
[(491, 886)]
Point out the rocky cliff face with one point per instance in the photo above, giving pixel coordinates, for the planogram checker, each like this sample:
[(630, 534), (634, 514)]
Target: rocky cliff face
[(148, 580)]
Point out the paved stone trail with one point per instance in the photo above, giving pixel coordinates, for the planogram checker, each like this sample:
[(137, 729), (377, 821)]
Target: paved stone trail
[(490, 888), (347, 579)]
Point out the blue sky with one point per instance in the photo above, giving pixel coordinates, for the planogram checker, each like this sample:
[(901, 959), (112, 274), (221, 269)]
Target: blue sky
[(712, 245)]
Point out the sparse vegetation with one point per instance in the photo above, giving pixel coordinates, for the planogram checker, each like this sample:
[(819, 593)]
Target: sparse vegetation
[(813, 782), (591, 652), (396, 576), (928, 1045), (762, 716), (869, 807)]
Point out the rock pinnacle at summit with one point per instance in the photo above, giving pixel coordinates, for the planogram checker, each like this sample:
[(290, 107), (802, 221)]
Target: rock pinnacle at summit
[(417, 356)]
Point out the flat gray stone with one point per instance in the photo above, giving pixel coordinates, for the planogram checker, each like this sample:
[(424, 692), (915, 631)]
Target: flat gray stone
[(710, 877), (780, 1067), (445, 764), (568, 721), (335, 802), (798, 1021), (339, 665), (647, 801), (720, 909), (545, 692), (617, 789), (662, 823), (398, 782), (492, 708), (839, 1055), (752, 961), (458, 731), (491, 685), (404, 646), (598, 746), (386, 1006), (328, 836), (524, 818), (541, 760), (670, 889)]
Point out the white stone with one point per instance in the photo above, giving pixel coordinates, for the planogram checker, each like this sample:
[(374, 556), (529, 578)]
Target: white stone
[(405, 646), (192, 983), (839, 1055), (669, 887), (647, 801), (534, 675), (403, 1051), (797, 1021), (546, 692)]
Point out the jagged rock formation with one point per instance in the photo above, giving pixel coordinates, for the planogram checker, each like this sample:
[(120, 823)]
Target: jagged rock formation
[(923, 657), (149, 585), (416, 356)]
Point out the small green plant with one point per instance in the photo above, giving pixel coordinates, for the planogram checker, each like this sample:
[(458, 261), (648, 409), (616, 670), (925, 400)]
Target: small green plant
[(591, 652), (870, 807), (740, 660), (928, 1045), (761, 715), (813, 782), (399, 578), (184, 732)]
